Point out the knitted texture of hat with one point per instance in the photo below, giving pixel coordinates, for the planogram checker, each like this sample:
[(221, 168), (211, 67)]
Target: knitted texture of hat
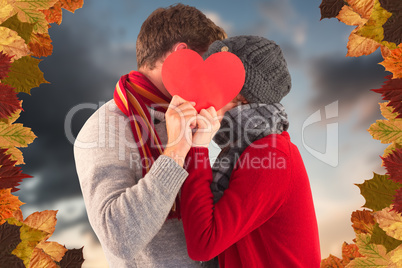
[(267, 75)]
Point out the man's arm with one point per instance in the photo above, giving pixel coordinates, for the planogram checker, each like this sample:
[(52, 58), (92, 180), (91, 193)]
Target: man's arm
[(253, 196), (124, 214)]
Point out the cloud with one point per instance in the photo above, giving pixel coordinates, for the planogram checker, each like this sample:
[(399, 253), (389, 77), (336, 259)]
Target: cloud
[(281, 18), (348, 80), (217, 19)]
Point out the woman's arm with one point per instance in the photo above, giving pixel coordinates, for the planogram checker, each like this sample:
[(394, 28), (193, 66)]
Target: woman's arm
[(255, 193)]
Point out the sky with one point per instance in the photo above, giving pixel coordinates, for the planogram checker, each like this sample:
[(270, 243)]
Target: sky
[(96, 45)]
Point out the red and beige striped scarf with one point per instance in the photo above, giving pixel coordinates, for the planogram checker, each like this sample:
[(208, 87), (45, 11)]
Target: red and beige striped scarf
[(133, 93)]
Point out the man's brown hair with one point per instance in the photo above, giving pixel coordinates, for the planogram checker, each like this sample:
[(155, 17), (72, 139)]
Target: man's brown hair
[(168, 26)]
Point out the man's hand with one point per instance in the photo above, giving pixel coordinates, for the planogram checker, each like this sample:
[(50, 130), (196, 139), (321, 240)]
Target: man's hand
[(180, 119), (207, 126)]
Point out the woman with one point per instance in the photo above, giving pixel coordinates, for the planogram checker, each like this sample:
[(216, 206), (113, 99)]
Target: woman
[(263, 215)]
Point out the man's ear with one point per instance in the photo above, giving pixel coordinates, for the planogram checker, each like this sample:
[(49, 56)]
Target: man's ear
[(179, 46)]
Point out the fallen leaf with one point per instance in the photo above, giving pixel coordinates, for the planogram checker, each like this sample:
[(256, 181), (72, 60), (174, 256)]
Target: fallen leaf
[(378, 192), (23, 29), (396, 257), (387, 131), (393, 164), (397, 202), (390, 221), (30, 238), (7, 9), (373, 27), (385, 52), (30, 11), (358, 45), (387, 111), (392, 91), (393, 63), (9, 239), (5, 64), (374, 255), (330, 8), (40, 45), (15, 135), (8, 204), (53, 14), (363, 7), (71, 5), (53, 249), (72, 259), (25, 74), (12, 44), (331, 262), (44, 221), (9, 102), (392, 28), (362, 221), (10, 175), (349, 253), (40, 259), (379, 237), (392, 147), (12, 118)]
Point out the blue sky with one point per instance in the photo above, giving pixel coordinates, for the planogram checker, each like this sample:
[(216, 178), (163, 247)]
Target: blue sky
[(96, 45)]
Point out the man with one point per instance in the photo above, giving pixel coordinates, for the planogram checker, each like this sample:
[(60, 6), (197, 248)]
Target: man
[(129, 165)]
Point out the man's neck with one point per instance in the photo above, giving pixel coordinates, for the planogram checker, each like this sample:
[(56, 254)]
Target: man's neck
[(155, 77)]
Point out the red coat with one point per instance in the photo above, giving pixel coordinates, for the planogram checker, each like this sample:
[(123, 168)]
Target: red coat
[(265, 218)]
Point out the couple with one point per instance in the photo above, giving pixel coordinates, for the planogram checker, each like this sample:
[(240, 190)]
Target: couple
[(153, 198)]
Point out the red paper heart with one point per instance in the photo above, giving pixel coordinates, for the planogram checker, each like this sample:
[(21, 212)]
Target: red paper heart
[(213, 82)]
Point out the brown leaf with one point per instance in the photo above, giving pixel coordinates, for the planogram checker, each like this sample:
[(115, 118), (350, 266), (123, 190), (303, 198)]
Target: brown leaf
[(331, 262), (9, 239), (363, 221), (330, 8), (72, 259), (54, 14), (349, 252), (40, 45)]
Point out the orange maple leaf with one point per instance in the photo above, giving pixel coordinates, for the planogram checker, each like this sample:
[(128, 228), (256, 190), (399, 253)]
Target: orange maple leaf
[(40, 45), (8, 204), (393, 63)]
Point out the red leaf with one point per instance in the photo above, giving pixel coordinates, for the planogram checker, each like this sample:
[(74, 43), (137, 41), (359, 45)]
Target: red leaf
[(72, 259), (5, 63), (331, 8), (9, 102), (398, 201), (10, 175), (393, 164), (392, 91)]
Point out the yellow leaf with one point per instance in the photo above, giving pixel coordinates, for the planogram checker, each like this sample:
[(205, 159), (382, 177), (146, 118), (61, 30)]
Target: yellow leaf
[(8, 204), (387, 131), (40, 259), (53, 249), (12, 44), (7, 9), (373, 27), (363, 7), (396, 257), (390, 221), (393, 63), (30, 237), (15, 135), (348, 16), (30, 11), (359, 45), (387, 111), (44, 221)]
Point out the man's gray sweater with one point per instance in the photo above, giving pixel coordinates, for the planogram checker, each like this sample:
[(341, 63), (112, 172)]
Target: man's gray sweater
[(126, 210)]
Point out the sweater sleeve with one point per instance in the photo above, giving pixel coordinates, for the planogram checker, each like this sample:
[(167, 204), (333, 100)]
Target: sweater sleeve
[(256, 191), (125, 211)]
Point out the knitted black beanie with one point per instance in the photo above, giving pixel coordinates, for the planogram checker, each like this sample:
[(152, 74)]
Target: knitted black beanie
[(267, 75)]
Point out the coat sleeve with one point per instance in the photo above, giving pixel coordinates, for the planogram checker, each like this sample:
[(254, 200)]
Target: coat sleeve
[(256, 191), (125, 211)]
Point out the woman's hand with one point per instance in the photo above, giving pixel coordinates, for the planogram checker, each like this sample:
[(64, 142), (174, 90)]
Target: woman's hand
[(207, 126)]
